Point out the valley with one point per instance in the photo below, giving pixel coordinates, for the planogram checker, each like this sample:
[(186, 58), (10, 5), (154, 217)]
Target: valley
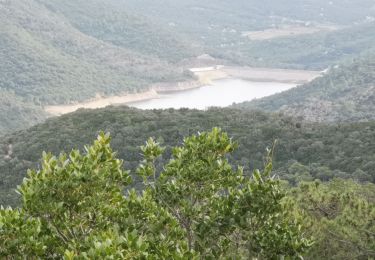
[(224, 84), (215, 129), (92, 54)]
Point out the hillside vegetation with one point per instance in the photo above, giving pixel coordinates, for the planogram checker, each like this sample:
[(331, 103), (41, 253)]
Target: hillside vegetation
[(289, 176), (80, 205), (47, 59), (219, 27), (112, 21), (303, 151), (16, 113), (195, 15), (315, 51), (345, 93), (44, 57), (56, 52), (198, 207)]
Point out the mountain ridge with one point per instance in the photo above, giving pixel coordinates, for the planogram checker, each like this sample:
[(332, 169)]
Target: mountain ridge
[(318, 151), (344, 93)]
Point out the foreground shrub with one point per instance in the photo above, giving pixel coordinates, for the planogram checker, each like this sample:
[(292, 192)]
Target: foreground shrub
[(198, 206)]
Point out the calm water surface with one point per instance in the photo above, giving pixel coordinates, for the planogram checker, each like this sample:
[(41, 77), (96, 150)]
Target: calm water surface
[(220, 94)]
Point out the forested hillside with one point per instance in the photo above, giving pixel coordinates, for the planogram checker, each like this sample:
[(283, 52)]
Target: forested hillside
[(111, 21), (303, 151), (81, 205), (17, 113), (56, 52), (44, 57), (47, 59), (287, 176), (221, 28), (345, 93), (75, 207), (315, 51), (195, 15)]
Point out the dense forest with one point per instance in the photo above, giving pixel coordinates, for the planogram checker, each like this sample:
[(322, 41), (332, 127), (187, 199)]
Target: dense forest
[(55, 52), (312, 51), (46, 60), (17, 113), (345, 93), (288, 176), (196, 206), (221, 32), (253, 14), (112, 22), (303, 151), (49, 62)]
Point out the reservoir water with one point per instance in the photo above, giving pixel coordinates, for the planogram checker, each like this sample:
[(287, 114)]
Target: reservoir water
[(220, 94)]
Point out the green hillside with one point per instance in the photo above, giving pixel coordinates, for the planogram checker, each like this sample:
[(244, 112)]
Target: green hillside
[(303, 151), (46, 60), (112, 21), (313, 51), (193, 15), (44, 57), (219, 26), (56, 52), (344, 93), (288, 176), (16, 113), (81, 205)]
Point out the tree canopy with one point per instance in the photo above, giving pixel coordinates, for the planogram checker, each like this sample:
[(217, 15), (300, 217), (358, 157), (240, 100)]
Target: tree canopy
[(305, 151), (198, 206), (344, 93), (340, 216)]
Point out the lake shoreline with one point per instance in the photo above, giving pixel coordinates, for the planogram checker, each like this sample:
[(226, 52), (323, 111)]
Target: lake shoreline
[(153, 92), (205, 76)]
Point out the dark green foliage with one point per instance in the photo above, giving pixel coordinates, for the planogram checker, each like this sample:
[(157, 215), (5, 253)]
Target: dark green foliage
[(344, 93), (199, 207), (303, 151), (341, 217), (16, 113)]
